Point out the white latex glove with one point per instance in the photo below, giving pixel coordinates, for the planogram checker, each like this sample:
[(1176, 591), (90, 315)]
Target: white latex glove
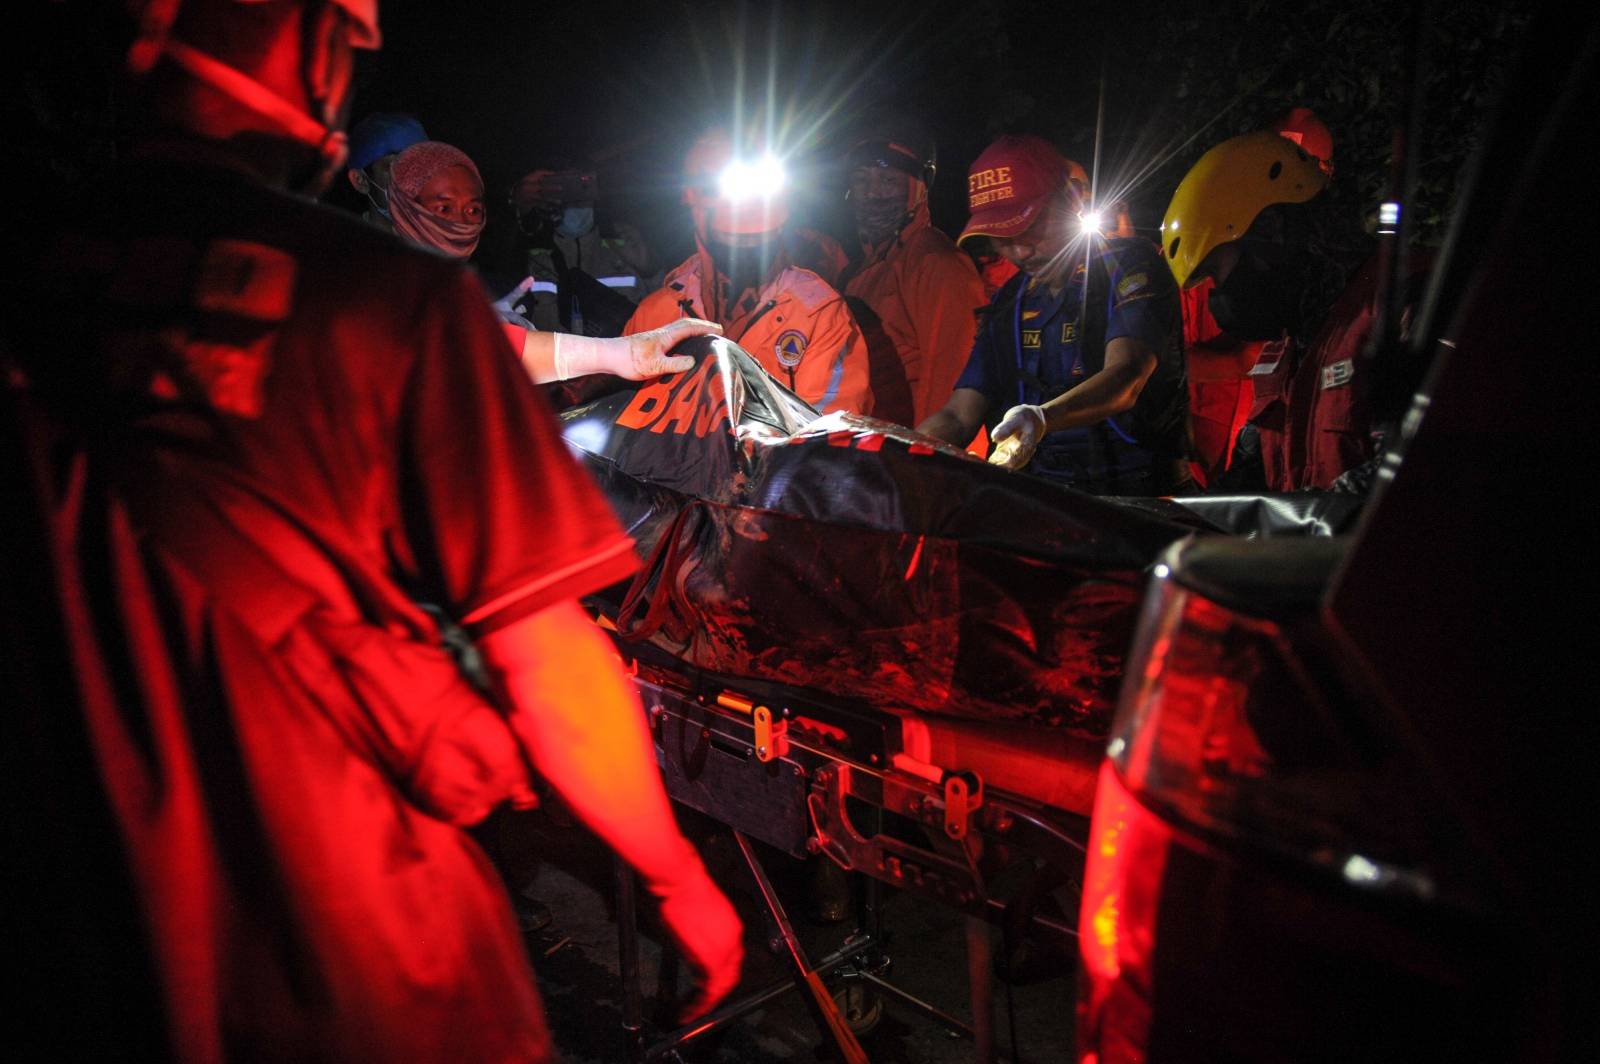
[(1017, 436), (639, 357)]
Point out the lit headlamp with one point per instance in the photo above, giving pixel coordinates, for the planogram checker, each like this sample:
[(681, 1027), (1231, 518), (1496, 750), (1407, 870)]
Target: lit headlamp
[(743, 181)]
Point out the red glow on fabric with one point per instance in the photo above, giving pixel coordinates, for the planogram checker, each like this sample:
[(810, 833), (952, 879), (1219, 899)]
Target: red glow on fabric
[(916, 556), (1221, 390)]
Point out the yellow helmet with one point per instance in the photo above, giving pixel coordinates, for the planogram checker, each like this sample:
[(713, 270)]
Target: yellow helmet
[(1220, 196)]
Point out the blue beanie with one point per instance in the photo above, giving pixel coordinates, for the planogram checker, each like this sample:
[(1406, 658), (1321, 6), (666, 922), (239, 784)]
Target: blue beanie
[(382, 133)]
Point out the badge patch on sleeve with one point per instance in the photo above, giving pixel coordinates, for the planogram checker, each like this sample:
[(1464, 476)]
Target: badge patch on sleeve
[(1338, 374), (790, 348), (1132, 285)]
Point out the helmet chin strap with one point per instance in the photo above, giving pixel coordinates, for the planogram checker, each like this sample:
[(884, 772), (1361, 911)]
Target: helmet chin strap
[(330, 144)]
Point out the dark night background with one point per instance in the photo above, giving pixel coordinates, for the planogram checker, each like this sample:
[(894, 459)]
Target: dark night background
[(519, 84)]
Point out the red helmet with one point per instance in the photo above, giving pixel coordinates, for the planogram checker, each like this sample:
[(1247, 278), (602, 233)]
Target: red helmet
[(1302, 126)]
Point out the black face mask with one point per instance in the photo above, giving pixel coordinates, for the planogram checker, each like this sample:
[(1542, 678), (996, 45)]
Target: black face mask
[(878, 219), (1259, 300)]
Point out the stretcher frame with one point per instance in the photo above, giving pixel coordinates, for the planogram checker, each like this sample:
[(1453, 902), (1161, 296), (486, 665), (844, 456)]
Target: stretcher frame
[(806, 774)]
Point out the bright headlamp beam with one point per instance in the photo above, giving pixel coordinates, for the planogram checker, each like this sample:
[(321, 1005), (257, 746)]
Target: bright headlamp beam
[(1089, 221), (743, 180)]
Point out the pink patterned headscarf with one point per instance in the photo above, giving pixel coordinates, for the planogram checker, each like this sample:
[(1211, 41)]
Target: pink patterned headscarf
[(412, 170)]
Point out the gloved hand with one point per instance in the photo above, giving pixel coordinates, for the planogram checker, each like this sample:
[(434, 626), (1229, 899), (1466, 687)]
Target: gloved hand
[(1017, 436), (706, 929), (508, 302), (635, 358)]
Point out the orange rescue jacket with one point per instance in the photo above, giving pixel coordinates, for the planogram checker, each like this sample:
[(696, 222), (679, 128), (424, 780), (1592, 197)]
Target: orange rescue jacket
[(795, 325), (927, 294)]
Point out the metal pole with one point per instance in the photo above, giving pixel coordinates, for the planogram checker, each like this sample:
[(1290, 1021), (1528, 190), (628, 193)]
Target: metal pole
[(816, 996), (980, 982), (628, 958)]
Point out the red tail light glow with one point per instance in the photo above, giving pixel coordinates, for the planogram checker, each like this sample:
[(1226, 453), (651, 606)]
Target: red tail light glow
[(1121, 891), (1230, 738)]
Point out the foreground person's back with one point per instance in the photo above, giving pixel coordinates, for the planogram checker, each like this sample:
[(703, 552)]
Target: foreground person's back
[(242, 435)]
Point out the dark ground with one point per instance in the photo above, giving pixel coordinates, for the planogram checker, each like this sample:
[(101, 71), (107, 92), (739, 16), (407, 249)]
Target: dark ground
[(576, 960)]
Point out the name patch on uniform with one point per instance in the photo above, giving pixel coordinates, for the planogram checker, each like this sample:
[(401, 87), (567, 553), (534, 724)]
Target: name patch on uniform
[(1338, 374), (1069, 332), (1030, 337), (790, 348)]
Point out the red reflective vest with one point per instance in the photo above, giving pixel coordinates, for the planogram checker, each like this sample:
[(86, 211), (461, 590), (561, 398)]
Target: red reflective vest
[(1221, 394)]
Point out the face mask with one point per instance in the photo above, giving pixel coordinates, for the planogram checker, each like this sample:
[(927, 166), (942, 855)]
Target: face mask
[(378, 196), (1257, 301), (879, 219), (421, 226), (575, 221)]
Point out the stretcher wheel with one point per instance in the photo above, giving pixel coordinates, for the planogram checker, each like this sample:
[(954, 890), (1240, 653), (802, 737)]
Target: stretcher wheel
[(861, 1007)]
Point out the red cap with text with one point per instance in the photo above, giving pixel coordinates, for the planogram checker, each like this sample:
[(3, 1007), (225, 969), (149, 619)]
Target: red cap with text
[(1010, 183)]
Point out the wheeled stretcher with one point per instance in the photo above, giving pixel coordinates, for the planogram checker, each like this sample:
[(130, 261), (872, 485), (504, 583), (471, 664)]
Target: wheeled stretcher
[(932, 806), (856, 641)]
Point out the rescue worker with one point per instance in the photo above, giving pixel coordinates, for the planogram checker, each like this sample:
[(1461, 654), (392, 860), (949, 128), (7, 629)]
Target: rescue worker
[(633, 247), (922, 291), (741, 277), (1220, 365), (1077, 368), (436, 198), (240, 435), (557, 208), (374, 142), (1249, 219)]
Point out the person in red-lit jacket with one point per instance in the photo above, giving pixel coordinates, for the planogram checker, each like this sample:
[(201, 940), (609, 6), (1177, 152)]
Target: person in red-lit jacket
[(241, 437), (1221, 385), (742, 276), (919, 288), (1246, 219)]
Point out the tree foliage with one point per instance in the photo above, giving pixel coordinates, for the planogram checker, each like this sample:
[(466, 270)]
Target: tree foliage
[(1181, 79)]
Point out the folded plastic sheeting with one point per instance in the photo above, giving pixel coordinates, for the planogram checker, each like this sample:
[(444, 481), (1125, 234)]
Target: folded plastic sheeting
[(853, 557)]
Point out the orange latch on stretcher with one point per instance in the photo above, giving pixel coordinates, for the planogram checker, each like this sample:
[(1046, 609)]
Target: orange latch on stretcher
[(772, 737), (963, 794)]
